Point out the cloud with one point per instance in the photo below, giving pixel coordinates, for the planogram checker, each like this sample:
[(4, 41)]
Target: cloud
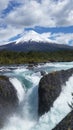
[(31, 13), (62, 38), (7, 33), (3, 4), (27, 15), (48, 13)]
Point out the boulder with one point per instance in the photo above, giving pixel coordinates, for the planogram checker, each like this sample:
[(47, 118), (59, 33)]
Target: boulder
[(43, 73), (50, 87), (8, 99), (31, 65)]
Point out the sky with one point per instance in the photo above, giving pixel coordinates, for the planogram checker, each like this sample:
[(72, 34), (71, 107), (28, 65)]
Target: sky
[(54, 18)]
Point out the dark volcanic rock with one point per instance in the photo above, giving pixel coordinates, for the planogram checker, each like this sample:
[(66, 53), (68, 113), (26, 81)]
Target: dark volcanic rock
[(66, 123), (43, 73), (50, 88), (31, 65), (8, 99)]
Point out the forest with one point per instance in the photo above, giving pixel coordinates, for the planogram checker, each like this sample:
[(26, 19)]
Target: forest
[(10, 57)]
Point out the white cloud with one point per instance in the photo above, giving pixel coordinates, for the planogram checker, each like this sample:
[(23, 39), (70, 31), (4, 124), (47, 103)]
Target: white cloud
[(62, 38), (3, 4), (47, 13), (7, 33)]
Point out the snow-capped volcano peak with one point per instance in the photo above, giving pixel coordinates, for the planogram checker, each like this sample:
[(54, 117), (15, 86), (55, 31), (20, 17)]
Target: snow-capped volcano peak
[(33, 36)]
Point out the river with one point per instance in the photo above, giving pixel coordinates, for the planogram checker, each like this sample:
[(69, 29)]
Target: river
[(26, 82)]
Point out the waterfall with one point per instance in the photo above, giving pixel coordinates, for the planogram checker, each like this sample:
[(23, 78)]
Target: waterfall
[(26, 83), (27, 115), (18, 86)]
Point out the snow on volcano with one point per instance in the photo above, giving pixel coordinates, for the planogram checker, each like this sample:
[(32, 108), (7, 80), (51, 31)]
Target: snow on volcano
[(33, 36)]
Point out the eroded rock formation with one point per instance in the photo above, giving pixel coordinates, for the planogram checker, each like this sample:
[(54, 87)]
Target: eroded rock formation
[(8, 99), (50, 87)]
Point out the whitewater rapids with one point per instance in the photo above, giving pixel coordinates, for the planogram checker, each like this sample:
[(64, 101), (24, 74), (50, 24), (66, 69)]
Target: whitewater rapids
[(26, 83)]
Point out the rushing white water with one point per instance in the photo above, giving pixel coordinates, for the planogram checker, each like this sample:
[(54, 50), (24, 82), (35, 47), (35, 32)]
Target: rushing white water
[(27, 117), (18, 87), (26, 83)]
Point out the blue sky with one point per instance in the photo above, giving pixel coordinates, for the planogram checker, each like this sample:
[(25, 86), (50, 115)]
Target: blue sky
[(68, 29), (52, 17)]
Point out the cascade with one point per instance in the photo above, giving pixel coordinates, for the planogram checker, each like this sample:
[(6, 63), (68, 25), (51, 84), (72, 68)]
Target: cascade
[(26, 117)]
